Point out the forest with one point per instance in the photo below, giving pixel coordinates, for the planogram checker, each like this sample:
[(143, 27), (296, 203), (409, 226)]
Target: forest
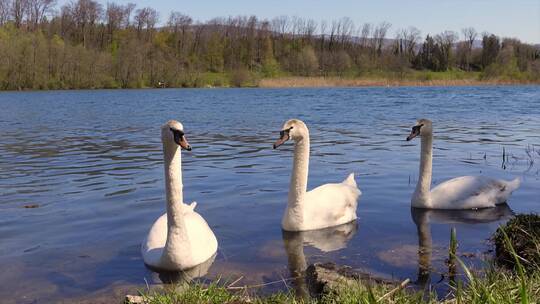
[(85, 44)]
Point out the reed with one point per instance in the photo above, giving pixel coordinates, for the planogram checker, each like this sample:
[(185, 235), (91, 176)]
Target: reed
[(305, 82)]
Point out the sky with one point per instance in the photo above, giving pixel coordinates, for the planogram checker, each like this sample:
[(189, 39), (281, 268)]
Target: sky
[(508, 18)]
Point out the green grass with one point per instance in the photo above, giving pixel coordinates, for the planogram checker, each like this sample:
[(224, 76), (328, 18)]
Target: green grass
[(493, 287)]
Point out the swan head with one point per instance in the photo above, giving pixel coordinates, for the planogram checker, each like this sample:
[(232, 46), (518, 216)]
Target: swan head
[(422, 127), (294, 129), (172, 134)]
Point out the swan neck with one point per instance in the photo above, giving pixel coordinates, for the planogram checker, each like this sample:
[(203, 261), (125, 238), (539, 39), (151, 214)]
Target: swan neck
[(176, 229), (422, 195), (299, 176), (173, 184)]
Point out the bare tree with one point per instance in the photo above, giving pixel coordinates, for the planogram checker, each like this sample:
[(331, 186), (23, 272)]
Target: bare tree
[(470, 35), (323, 36), (406, 41), (365, 35), (146, 17), (128, 9), (114, 16), (323, 26), (86, 13), (379, 33), (36, 11), (345, 30), (5, 7), (179, 22), (281, 25), (298, 25), (310, 29), (18, 10)]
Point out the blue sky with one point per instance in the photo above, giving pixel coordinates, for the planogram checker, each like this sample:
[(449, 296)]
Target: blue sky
[(510, 18)]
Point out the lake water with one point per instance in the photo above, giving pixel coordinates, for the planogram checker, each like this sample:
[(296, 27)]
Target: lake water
[(90, 162)]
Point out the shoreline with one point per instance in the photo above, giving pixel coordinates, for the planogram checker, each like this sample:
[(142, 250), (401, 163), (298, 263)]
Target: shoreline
[(330, 82), (327, 82)]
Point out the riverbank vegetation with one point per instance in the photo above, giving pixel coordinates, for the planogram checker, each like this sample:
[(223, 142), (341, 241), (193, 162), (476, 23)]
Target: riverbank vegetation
[(86, 44), (493, 286), (517, 244)]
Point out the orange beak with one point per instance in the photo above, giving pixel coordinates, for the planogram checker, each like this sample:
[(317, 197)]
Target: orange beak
[(281, 140)]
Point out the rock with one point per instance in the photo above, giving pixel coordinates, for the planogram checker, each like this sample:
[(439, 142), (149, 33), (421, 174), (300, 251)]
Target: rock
[(134, 300), (322, 278)]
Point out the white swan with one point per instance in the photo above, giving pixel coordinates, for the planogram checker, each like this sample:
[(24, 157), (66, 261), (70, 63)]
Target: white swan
[(465, 192), (179, 239), (325, 206)]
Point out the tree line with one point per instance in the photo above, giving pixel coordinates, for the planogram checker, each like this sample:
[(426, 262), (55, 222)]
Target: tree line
[(85, 44)]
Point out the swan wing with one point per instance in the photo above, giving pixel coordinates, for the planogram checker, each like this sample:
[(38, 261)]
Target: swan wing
[(331, 205), (153, 244), (201, 241), (470, 192)]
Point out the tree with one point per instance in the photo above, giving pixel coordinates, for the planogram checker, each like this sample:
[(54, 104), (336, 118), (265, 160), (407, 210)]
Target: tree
[(84, 14), (115, 16), (406, 41), (490, 49), (365, 35), (445, 41), (341, 62), (37, 9), (379, 33), (5, 7), (18, 10), (429, 55), (146, 18), (308, 63), (469, 34), (214, 53), (81, 45)]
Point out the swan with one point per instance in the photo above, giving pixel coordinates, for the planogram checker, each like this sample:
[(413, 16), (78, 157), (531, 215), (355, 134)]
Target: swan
[(465, 192), (325, 206), (180, 239)]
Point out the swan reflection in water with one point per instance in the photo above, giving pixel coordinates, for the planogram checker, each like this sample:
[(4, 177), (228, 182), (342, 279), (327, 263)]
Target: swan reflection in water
[(326, 240), (424, 217), (183, 277)]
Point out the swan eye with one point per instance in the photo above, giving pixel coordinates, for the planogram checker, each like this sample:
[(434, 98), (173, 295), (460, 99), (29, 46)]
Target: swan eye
[(178, 135), (177, 132), (283, 132), (417, 128)]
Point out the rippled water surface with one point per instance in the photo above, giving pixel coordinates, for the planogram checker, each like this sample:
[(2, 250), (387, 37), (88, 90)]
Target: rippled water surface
[(81, 181)]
